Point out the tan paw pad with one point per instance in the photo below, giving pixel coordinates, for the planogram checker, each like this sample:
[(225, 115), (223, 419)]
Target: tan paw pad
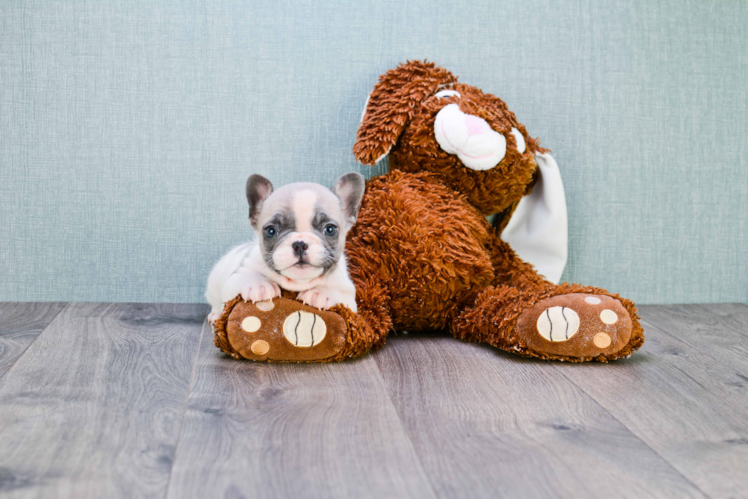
[(602, 340), (304, 329), (608, 317), (260, 347), (251, 324), (558, 324), (266, 305)]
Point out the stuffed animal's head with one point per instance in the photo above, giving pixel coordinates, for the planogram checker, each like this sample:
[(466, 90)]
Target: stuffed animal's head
[(426, 121)]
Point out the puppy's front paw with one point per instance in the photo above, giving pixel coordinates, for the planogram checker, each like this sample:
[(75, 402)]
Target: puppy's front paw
[(320, 297), (257, 288)]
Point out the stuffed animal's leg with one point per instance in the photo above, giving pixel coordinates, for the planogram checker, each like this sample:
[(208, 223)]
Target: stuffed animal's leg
[(368, 328), (525, 314), (284, 329)]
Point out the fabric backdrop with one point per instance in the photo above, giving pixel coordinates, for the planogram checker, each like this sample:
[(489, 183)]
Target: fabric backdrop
[(128, 129)]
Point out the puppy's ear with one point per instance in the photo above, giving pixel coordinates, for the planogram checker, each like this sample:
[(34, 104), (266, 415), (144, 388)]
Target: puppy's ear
[(258, 189), (391, 105), (350, 189)]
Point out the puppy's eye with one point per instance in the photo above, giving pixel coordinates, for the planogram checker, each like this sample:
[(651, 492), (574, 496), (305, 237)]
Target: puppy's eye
[(331, 230), (447, 93), (271, 232)]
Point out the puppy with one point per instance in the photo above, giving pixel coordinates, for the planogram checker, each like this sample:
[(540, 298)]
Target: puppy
[(301, 231)]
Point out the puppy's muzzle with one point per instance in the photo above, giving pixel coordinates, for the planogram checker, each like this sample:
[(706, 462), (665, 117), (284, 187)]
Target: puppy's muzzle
[(299, 247)]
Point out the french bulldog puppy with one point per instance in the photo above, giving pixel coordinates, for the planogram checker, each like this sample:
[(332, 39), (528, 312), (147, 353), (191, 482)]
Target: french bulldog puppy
[(301, 231)]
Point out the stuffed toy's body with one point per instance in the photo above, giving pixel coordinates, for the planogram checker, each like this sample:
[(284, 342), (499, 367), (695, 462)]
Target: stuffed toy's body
[(423, 255)]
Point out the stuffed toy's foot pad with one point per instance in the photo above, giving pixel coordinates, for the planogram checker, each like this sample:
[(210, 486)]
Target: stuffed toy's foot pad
[(576, 325), (284, 330)]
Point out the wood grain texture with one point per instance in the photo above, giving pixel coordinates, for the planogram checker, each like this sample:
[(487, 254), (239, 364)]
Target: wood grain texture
[(93, 407), (733, 315), (720, 329), (684, 394), (488, 424), (292, 430), (95, 404), (20, 324)]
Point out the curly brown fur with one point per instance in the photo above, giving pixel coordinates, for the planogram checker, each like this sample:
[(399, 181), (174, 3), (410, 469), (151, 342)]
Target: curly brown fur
[(422, 235), (424, 242), (423, 255), (220, 337), (391, 105), (492, 190)]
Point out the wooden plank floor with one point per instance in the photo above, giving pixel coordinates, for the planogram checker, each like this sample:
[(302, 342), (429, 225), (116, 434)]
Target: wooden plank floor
[(133, 400)]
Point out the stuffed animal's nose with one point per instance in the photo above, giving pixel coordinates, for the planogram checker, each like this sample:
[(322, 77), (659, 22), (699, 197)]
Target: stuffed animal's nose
[(299, 247), (475, 125), (470, 137)]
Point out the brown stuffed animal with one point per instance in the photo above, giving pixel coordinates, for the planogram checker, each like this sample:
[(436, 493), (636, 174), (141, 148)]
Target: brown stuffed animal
[(423, 255)]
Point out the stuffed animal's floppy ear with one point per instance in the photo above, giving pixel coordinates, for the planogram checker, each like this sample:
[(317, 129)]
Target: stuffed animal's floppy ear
[(392, 103), (258, 189), (350, 189), (538, 228)]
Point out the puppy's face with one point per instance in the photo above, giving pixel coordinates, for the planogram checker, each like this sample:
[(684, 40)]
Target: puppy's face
[(301, 227)]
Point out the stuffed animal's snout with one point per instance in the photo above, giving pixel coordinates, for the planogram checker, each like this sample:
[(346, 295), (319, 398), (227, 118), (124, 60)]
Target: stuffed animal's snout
[(470, 137)]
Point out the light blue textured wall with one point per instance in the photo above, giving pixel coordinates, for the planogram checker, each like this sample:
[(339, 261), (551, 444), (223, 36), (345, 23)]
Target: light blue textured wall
[(127, 129)]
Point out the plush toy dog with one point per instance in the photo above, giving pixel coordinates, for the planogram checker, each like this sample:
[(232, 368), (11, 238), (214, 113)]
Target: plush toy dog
[(423, 255)]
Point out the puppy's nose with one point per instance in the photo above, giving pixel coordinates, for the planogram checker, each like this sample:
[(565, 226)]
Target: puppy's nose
[(299, 247)]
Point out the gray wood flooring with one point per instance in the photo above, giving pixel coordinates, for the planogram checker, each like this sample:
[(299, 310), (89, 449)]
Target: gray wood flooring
[(133, 400)]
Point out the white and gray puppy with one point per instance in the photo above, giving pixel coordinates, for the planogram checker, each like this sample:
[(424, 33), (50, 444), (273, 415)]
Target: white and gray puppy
[(301, 231)]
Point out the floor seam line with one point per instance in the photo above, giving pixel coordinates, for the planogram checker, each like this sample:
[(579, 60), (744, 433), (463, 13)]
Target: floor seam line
[(184, 409), (65, 306), (405, 428)]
